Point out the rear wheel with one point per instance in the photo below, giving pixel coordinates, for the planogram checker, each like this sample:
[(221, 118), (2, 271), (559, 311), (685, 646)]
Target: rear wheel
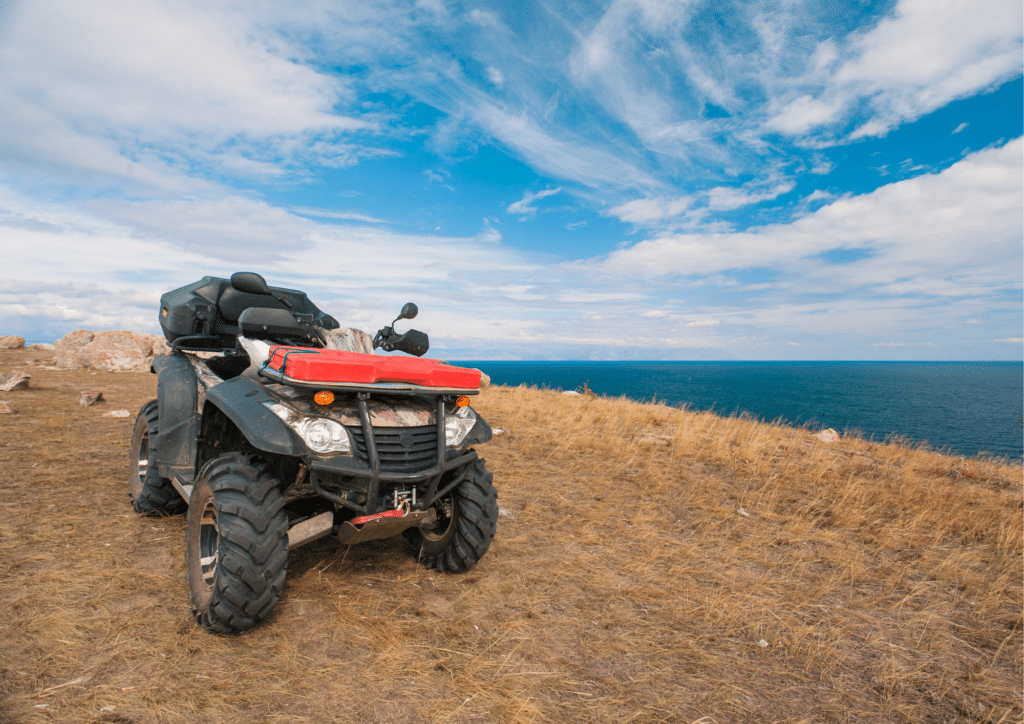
[(467, 518), (236, 553), (149, 493)]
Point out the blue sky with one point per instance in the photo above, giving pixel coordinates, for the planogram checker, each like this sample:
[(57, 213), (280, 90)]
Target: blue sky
[(550, 180)]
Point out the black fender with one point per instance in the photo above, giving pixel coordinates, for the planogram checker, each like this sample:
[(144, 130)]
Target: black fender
[(241, 400), (178, 425), (479, 434)]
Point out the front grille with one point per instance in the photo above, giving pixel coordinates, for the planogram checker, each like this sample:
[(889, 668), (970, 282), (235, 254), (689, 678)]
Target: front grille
[(400, 449)]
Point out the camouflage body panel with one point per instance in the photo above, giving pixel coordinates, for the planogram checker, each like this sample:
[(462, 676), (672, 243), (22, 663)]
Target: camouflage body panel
[(384, 411)]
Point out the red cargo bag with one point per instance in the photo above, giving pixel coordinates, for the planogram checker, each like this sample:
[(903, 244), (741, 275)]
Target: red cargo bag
[(307, 364)]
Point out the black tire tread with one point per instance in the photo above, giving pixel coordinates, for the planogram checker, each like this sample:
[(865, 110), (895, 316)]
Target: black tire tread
[(158, 496), (476, 510), (253, 554)]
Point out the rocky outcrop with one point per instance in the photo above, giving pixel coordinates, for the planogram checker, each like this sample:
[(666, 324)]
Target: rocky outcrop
[(14, 381), (349, 340), (117, 351), (40, 346), (12, 341)]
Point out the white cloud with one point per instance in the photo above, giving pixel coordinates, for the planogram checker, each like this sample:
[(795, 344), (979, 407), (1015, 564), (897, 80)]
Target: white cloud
[(141, 89), (947, 233), (686, 208), (959, 128), (817, 195), (495, 76), (804, 113), (644, 210), (489, 235), (724, 198), (523, 207), (339, 215), (896, 70)]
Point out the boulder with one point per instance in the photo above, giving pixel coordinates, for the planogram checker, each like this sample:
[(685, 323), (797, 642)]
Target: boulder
[(485, 379), (68, 347), (828, 435), (6, 408), (88, 399), (349, 340), (12, 341), (39, 346), (14, 381), (117, 351)]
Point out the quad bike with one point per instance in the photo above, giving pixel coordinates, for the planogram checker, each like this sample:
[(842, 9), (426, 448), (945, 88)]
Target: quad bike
[(273, 439)]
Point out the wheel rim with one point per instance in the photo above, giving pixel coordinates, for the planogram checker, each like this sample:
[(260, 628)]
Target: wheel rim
[(445, 511), (143, 455), (139, 479), (209, 543)]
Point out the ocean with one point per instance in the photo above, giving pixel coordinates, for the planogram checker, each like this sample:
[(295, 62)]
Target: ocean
[(963, 408)]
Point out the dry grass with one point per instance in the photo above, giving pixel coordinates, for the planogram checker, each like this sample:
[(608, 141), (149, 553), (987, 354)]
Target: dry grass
[(642, 556)]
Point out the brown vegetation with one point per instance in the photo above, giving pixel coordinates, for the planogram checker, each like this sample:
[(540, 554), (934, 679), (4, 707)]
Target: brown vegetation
[(651, 565)]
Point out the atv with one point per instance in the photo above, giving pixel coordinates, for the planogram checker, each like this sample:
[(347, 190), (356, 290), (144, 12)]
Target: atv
[(270, 434)]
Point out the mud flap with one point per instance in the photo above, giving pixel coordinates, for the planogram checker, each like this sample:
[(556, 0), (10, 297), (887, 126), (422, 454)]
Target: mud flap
[(178, 397)]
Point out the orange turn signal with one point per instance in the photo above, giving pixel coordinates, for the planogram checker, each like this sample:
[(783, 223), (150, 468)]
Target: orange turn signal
[(323, 397), (462, 401)]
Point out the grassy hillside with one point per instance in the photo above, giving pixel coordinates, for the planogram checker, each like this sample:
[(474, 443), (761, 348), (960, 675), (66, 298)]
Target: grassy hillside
[(651, 565)]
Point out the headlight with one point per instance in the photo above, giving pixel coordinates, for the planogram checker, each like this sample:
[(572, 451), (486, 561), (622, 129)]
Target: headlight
[(458, 425), (320, 434)]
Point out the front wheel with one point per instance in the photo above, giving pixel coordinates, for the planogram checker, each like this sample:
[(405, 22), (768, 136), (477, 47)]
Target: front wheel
[(236, 553), (467, 518)]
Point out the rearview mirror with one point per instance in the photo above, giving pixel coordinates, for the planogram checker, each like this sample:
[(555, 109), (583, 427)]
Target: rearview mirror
[(409, 311)]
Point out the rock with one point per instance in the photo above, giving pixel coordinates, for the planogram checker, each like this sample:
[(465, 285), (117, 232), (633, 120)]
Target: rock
[(116, 351), (87, 399), (68, 347), (828, 435), (6, 408), (117, 413), (14, 381), (40, 346), (485, 379), (349, 340), (571, 392), (11, 341)]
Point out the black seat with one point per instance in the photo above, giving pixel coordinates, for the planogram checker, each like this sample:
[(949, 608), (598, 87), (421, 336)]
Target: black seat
[(233, 302)]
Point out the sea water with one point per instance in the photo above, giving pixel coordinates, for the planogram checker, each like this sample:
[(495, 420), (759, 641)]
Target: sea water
[(963, 408)]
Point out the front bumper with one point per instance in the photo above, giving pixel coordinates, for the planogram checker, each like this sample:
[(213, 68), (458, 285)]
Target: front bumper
[(367, 467)]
